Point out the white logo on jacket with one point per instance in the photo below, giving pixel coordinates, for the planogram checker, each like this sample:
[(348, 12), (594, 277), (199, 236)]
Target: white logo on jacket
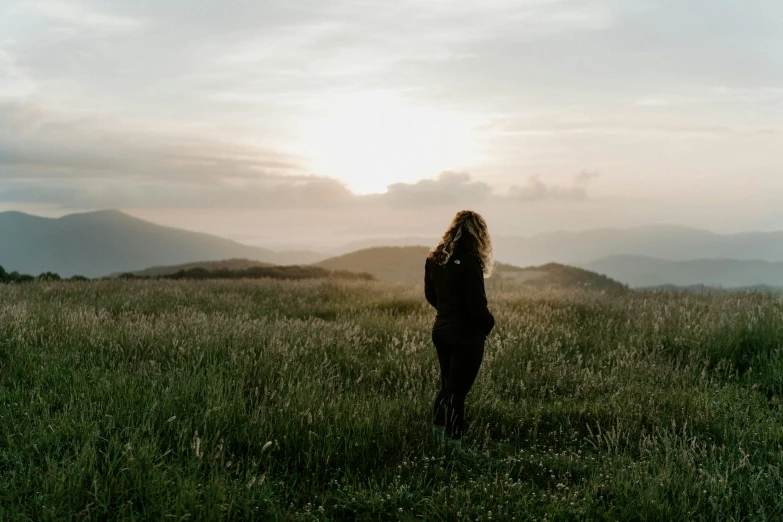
[(456, 261)]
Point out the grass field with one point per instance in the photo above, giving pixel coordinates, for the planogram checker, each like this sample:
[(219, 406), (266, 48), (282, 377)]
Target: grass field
[(273, 400)]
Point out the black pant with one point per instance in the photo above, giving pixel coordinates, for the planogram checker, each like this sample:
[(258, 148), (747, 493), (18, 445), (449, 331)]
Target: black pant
[(460, 354)]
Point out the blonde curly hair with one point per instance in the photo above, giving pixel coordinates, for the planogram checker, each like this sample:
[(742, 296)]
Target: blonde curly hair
[(469, 229)]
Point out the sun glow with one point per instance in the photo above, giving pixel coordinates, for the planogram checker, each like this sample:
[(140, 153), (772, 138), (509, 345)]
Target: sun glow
[(371, 140)]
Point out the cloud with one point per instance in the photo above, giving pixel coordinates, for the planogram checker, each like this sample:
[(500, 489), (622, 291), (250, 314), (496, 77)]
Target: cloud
[(264, 194), (89, 162), (450, 188), (36, 142), (238, 50), (83, 162), (83, 15), (536, 190), (14, 82), (719, 95), (585, 177), (203, 104)]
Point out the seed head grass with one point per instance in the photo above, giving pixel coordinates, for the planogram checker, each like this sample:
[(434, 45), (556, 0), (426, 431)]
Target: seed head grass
[(311, 400)]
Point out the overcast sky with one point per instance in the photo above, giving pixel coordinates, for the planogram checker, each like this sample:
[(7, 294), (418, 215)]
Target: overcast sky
[(308, 122)]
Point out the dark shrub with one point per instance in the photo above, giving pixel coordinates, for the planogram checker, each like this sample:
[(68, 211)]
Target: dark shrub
[(16, 277)]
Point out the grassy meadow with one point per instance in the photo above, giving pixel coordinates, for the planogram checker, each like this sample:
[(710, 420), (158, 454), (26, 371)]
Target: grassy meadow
[(311, 400)]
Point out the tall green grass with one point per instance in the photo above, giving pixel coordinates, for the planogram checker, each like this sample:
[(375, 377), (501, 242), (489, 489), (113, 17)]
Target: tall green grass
[(271, 400)]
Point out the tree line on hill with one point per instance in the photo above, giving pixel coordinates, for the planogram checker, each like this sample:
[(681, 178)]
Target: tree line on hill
[(257, 272), (16, 277)]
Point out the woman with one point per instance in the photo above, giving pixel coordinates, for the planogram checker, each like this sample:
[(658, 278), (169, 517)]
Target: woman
[(454, 284)]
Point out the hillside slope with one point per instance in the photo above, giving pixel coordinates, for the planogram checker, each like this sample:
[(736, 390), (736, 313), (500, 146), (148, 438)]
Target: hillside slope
[(555, 274), (406, 265), (99, 243), (226, 264), (396, 264)]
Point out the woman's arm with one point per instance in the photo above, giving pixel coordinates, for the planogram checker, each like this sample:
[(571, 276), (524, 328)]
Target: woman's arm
[(476, 297), (429, 287)]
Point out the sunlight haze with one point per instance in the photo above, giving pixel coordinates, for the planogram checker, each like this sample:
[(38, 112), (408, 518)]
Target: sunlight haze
[(295, 123), (372, 140)]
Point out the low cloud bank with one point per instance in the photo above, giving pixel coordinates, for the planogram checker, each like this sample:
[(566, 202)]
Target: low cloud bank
[(88, 162)]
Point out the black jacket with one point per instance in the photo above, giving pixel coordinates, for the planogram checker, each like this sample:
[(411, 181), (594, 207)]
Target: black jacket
[(456, 290)]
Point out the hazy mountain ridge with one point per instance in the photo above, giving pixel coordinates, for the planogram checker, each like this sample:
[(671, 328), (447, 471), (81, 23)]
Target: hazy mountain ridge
[(659, 241), (373, 242), (110, 242), (99, 243), (639, 271), (670, 242)]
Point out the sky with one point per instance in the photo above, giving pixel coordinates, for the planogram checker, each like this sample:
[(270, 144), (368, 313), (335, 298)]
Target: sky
[(308, 123)]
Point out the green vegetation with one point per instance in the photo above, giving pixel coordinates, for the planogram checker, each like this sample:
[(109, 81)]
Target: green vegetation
[(16, 277), (226, 264), (310, 400), (49, 276), (257, 272), (555, 274), (274, 272)]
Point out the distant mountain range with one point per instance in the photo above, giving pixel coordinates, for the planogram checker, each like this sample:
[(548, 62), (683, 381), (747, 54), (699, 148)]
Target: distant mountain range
[(638, 271), (660, 241), (407, 241), (668, 242), (99, 243), (653, 255)]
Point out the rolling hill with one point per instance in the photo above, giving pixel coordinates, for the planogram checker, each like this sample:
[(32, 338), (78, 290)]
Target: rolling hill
[(394, 264), (555, 274), (406, 265), (638, 271), (99, 243), (226, 264)]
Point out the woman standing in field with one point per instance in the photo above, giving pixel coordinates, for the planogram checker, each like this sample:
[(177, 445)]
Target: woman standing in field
[(454, 284)]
